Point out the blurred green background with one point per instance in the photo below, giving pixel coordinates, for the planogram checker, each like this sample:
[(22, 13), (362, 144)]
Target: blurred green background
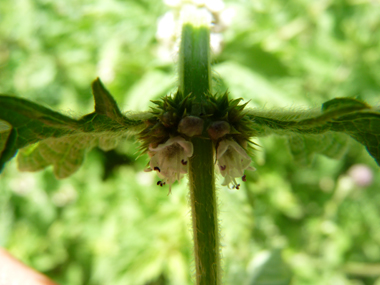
[(110, 224)]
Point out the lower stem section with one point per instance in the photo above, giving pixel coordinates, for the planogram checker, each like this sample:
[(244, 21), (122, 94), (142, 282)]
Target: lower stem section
[(204, 213)]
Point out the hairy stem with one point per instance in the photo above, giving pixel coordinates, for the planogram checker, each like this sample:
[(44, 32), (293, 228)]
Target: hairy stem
[(195, 67), (195, 79)]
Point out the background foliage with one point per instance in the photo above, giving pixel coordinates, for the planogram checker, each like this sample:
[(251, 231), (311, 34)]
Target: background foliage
[(110, 224)]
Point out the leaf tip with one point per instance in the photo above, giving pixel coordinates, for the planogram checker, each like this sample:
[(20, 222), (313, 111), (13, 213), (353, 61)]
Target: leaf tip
[(105, 104)]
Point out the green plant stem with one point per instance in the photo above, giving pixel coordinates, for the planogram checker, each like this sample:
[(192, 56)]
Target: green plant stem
[(194, 66), (195, 80), (204, 213)]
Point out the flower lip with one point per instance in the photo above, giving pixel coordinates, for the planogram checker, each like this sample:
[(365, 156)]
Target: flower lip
[(186, 145)]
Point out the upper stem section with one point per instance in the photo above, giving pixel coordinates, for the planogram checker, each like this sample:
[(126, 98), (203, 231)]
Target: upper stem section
[(194, 62)]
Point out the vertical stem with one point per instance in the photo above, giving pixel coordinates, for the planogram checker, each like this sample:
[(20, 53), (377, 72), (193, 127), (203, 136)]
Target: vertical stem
[(204, 213), (195, 79), (194, 65)]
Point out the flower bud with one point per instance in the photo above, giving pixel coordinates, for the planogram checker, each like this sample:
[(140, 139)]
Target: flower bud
[(218, 129), (191, 126)]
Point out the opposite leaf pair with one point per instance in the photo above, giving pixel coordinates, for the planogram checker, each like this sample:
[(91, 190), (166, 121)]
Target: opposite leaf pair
[(48, 138)]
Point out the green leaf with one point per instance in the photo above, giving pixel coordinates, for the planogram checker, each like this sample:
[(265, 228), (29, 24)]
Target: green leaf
[(330, 144), (322, 131), (271, 270), (59, 140), (5, 130)]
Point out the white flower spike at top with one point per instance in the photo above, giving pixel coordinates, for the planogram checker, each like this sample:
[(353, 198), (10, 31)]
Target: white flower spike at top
[(233, 160), (170, 160)]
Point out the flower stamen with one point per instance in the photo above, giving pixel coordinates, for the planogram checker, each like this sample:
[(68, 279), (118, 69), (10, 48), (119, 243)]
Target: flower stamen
[(161, 183)]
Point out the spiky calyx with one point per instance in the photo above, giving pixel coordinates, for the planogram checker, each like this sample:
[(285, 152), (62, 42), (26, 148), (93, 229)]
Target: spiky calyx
[(171, 127), (224, 118)]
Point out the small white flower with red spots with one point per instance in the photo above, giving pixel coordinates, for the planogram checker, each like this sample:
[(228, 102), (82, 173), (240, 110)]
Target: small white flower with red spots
[(233, 160), (170, 160)]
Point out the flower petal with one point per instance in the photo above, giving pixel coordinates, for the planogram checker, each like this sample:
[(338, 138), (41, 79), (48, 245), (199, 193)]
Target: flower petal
[(170, 159), (233, 160)]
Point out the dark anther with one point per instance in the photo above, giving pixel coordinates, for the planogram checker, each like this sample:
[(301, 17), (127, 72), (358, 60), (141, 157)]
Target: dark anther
[(159, 182), (183, 162), (157, 168), (223, 167), (238, 187), (244, 178)]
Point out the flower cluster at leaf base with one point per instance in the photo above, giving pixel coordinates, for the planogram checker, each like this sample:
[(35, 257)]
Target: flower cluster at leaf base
[(168, 134), (170, 160), (232, 161)]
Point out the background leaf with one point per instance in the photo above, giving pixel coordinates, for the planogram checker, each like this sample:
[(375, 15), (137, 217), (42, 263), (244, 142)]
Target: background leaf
[(271, 271), (303, 147)]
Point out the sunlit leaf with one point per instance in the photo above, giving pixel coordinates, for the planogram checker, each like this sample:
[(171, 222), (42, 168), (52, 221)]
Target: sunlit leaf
[(5, 130), (271, 271)]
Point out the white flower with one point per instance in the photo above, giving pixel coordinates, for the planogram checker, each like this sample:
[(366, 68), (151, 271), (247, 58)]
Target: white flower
[(170, 159), (233, 160)]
